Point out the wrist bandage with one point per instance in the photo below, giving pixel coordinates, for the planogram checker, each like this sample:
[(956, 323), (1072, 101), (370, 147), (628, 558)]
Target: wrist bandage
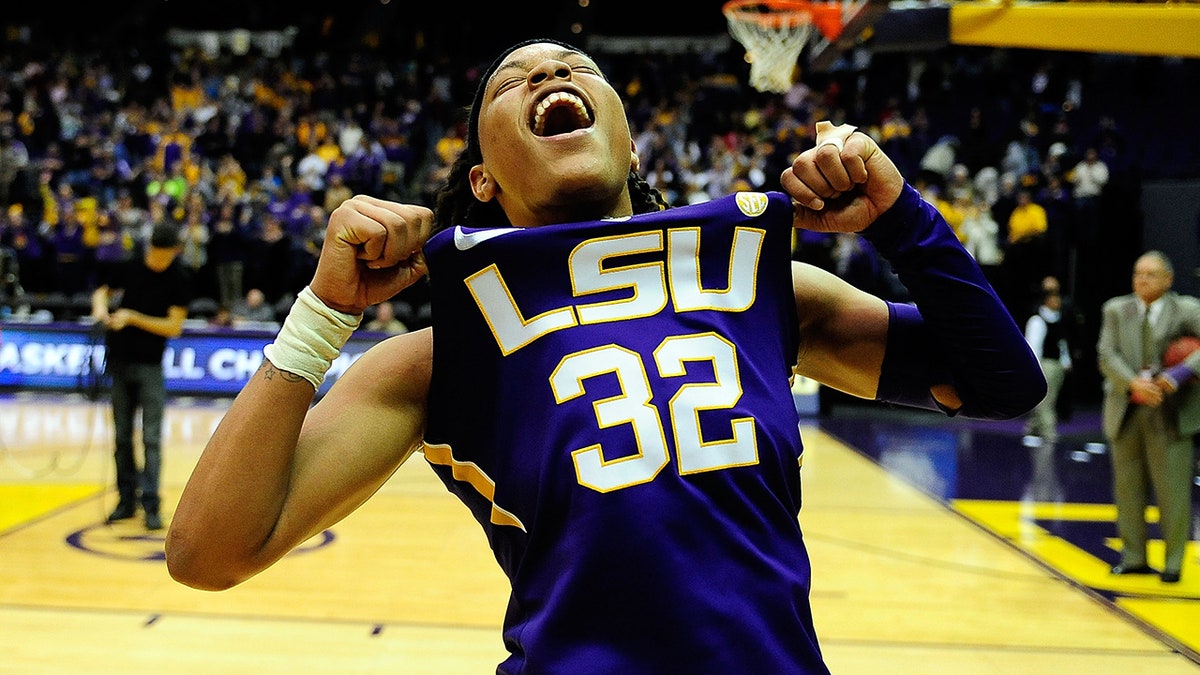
[(312, 336)]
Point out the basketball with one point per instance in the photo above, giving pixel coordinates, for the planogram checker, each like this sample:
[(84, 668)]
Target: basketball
[(1180, 349)]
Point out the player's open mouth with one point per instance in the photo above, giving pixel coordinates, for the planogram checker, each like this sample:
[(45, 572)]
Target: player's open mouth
[(560, 113)]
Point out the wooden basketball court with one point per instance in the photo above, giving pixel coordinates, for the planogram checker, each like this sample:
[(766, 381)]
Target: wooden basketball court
[(904, 582)]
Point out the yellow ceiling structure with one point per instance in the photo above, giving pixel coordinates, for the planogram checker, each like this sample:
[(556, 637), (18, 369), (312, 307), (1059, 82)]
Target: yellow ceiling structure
[(1149, 29)]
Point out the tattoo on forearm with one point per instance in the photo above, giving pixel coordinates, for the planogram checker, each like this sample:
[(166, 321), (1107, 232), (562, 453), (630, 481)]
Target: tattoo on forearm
[(270, 372)]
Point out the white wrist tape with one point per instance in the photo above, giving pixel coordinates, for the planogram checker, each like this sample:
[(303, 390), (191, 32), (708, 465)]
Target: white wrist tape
[(311, 338)]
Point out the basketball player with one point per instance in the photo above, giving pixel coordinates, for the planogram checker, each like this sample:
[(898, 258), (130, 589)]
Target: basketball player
[(606, 383)]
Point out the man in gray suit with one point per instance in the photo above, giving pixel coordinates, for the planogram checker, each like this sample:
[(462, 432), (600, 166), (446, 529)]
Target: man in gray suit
[(1150, 412)]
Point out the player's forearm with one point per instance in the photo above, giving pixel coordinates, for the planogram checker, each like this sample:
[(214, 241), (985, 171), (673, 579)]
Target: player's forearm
[(231, 520), (963, 339), (227, 526)]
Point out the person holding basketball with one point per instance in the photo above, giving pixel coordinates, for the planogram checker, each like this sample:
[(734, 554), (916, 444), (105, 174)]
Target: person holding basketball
[(606, 382), (1150, 412)]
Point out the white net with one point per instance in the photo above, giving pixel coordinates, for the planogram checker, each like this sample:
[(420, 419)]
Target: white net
[(773, 43)]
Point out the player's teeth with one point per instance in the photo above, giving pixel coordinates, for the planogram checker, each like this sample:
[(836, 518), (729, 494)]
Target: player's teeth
[(539, 117)]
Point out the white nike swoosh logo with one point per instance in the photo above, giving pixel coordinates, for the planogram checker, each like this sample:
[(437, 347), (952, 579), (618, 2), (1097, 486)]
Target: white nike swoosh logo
[(466, 240)]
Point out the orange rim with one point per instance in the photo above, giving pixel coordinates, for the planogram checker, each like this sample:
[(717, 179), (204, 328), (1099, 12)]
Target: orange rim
[(825, 15)]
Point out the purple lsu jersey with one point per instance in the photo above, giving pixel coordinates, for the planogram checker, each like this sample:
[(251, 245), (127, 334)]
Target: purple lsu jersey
[(611, 400)]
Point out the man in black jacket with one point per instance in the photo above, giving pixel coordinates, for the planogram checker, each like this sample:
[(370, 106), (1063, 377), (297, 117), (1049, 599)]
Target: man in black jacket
[(155, 291)]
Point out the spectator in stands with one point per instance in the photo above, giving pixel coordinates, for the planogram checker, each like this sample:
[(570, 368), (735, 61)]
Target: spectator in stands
[(980, 233), (939, 160), (14, 167), (933, 193), (195, 237), (987, 186), (960, 184), (230, 178), (71, 256), (1004, 202), (133, 220), (168, 188), (336, 191), (253, 308), (312, 167), (1088, 179), (271, 260), (114, 246), (1025, 257), (385, 320), (31, 250), (227, 254), (1060, 224)]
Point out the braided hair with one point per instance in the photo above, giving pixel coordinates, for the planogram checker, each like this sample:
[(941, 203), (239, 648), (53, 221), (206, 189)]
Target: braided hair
[(456, 203)]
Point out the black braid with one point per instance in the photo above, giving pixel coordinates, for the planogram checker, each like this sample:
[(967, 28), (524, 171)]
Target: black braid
[(644, 197)]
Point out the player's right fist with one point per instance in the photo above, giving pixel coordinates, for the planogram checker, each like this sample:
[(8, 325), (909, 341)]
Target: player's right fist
[(371, 252), (843, 183)]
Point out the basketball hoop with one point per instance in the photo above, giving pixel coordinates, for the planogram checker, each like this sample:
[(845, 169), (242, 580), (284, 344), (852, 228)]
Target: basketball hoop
[(774, 33)]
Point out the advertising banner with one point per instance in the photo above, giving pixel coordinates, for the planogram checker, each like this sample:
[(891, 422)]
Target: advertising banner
[(218, 362)]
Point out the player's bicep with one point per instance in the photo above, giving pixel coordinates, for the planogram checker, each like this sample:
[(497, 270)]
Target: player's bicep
[(843, 331)]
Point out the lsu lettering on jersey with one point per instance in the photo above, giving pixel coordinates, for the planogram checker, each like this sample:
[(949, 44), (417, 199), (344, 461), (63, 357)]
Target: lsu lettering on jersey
[(611, 400)]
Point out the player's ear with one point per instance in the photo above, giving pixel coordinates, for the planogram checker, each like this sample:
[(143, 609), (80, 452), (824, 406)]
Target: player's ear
[(483, 186), (635, 162)]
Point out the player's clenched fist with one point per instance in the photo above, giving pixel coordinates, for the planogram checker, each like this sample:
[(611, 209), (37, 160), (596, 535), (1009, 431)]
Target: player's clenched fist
[(372, 251), (843, 183)]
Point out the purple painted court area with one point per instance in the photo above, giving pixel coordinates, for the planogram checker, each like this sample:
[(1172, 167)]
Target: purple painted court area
[(952, 458)]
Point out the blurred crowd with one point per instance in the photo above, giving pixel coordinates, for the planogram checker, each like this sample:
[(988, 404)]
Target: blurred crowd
[(1029, 155)]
